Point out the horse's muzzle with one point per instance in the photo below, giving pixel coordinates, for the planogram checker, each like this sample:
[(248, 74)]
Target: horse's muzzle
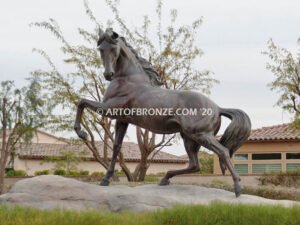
[(108, 75)]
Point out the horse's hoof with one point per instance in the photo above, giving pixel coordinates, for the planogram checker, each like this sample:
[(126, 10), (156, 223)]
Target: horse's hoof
[(164, 182), (238, 189), (82, 135), (104, 182)]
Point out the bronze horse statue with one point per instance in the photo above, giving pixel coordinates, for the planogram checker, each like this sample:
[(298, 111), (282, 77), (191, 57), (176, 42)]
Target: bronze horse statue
[(135, 84)]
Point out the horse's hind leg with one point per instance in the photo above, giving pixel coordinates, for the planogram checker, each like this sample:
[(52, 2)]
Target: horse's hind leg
[(210, 142), (192, 149), (222, 166)]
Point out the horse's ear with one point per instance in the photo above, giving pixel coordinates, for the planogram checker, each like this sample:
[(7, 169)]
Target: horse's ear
[(114, 35), (111, 35), (100, 32)]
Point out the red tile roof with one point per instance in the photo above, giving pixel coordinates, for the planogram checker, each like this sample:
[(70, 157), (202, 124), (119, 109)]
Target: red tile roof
[(281, 132), (130, 151), (201, 155)]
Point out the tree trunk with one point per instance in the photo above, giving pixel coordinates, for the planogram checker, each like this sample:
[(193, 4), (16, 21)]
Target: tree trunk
[(2, 174), (125, 168), (3, 147), (136, 172), (105, 148), (143, 168)]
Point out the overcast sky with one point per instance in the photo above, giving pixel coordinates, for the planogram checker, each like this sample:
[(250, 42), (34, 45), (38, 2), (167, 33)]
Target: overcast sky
[(232, 37)]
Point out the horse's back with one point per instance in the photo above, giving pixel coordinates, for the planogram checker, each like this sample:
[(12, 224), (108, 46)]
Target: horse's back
[(205, 113), (191, 110), (198, 100)]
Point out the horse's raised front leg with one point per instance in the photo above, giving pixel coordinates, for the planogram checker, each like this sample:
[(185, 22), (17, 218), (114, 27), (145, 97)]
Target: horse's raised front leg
[(192, 149), (121, 128), (85, 103)]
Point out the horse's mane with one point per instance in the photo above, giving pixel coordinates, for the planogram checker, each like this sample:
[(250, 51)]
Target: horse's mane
[(146, 65)]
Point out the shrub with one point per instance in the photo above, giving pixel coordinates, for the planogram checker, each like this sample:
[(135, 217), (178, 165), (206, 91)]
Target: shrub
[(73, 173), (288, 179), (42, 172), (265, 192), (84, 172), (272, 193), (161, 173), (77, 173), (59, 172), (217, 181), (207, 165), (120, 172), (98, 174), (16, 173), (151, 179)]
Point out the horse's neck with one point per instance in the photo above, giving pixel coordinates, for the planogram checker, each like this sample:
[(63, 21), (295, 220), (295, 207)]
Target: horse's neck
[(129, 68)]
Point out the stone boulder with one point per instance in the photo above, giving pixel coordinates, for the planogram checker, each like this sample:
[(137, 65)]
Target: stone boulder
[(50, 192)]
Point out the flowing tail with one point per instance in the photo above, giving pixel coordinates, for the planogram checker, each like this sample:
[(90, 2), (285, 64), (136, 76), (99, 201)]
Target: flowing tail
[(236, 133)]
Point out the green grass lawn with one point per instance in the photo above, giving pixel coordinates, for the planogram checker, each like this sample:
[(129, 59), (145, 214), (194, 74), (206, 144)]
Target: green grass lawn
[(217, 213)]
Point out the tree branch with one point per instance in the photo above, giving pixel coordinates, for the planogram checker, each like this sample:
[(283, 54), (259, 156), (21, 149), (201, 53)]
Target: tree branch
[(294, 104)]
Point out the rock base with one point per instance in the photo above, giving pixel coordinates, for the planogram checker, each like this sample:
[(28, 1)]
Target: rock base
[(50, 192)]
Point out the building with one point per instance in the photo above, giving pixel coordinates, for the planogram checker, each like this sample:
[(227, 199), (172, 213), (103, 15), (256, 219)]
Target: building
[(268, 149), (32, 157)]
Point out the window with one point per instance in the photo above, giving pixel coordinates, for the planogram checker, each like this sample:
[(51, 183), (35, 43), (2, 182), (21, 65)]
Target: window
[(266, 168), (240, 156), (266, 156), (292, 167), (241, 168), (292, 155)]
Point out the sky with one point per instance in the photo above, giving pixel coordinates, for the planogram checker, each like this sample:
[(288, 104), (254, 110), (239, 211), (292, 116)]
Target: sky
[(232, 36)]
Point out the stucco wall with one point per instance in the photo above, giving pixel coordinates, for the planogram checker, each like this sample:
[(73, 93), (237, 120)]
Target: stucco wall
[(30, 166), (42, 137), (263, 147)]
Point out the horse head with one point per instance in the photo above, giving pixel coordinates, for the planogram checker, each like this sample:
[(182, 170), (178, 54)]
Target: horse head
[(108, 45), (112, 46)]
